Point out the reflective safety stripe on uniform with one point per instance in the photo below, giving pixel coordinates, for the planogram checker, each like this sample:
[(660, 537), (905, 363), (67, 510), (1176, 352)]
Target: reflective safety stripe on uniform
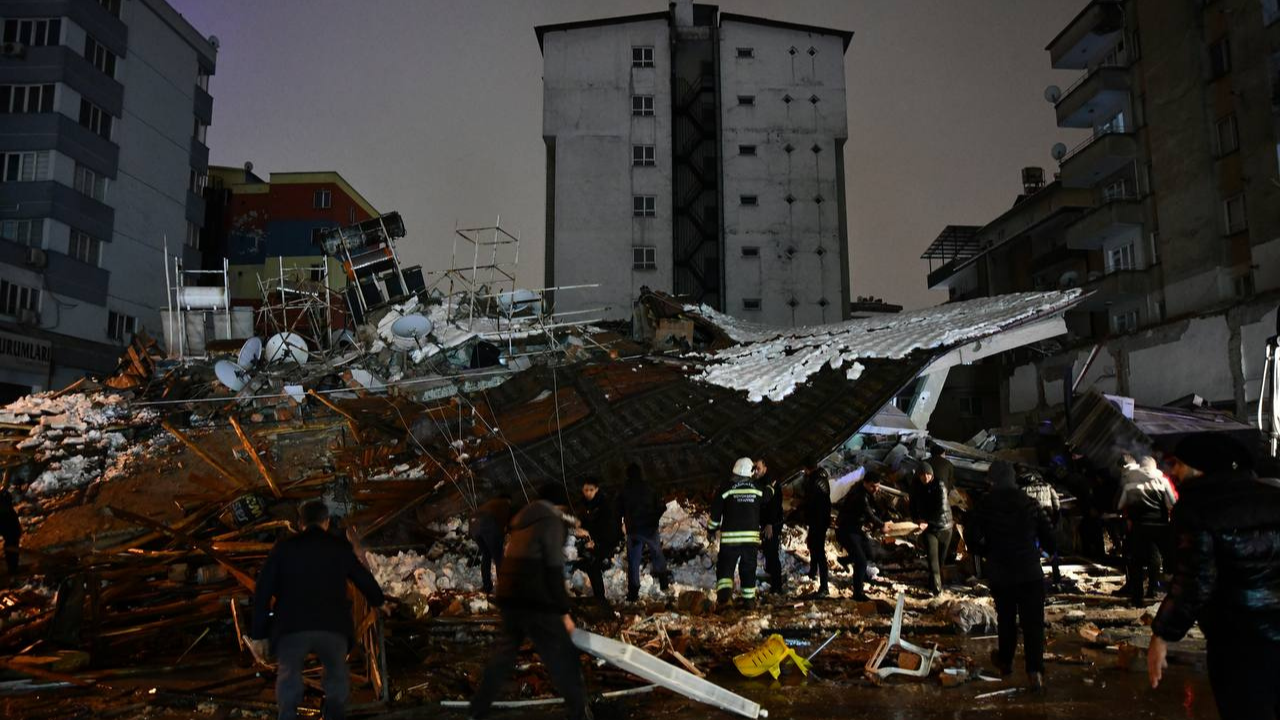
[(743, 491), (740, 537), (724, 583), (740, 558)]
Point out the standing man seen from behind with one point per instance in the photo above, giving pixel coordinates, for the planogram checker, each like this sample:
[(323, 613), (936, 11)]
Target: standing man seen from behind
[(772, 521), (1039, 489), (10, 532), (858, 515), (735, 513), (931, 511), (535, 604), (817, 519), (1226, 576), (1147, 502), (600, 526), (1005, 528), (307, 576), (488, 529), (641, 512)]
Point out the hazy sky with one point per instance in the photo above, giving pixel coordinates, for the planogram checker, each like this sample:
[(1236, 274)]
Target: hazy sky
[(434, 108)]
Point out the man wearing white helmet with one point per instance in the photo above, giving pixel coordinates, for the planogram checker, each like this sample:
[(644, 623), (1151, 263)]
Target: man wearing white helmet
[(735, 514)]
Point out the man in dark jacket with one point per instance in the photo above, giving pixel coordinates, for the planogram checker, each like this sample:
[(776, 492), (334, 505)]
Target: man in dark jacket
[(771, 519), (931, 511), (10, 532), (859, 515), (601, 529), (1226, 576), (641, 512), (307, 575), (535, 605), (1005, 528), (817, 520), (488, 528), (735, 514)]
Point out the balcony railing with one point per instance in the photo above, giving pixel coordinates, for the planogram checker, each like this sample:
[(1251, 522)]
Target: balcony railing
[(1091, 140), (1120, 61)]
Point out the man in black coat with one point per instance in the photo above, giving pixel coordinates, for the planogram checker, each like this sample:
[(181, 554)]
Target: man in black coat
[(10, 531), (771, 524), (535, 605), (1005, 528), (931, 509), (641, 512), (1226, 575), (602, 531), (488, 528), (859, 515), (817, 520), (307, 575)]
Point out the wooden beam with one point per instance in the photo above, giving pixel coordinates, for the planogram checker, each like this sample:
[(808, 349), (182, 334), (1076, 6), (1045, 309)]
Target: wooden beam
[(253, 453), (352, 423), (201, 545), (200, 452)]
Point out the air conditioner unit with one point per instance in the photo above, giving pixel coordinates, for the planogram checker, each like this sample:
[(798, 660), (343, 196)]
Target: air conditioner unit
[(37, 258), (13, 50), (28, 317)]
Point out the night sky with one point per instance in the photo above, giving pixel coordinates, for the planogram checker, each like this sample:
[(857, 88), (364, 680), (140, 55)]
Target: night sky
[(434, 108)]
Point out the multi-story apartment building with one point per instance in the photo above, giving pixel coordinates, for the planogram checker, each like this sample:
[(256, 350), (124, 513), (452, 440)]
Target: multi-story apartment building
[(104, 106), (699, 153), (264, 226), (1168, 213)]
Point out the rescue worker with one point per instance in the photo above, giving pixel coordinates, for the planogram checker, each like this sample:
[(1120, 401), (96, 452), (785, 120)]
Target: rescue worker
[(534, 604), (641, 512), (735, 513), (10, 531), (931, 510), (772, 520), (1046, 497), (1227, 578), (307, 576), (859, 512), (602, 531), (817, 520), (488, 529), (1147, 501)]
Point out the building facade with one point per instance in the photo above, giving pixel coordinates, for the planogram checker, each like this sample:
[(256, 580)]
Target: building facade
[(264, 227), (104, 105), (1168, 212), (699, 153)]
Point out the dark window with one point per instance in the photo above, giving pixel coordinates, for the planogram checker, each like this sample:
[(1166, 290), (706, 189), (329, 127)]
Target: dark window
[(748, 200), (99, 56), (121, 326), (750, 303), (970, 406), (750, 251), (85, 248), (644, 257), (26, 98), (642, 57), (111, 6), (95, 118), (33, 32), (644, 206), (643, 155), (746, 52), (642, 105), (23, 232), (1227, 135), (746, 149), (322, 199), (1219, 58), (746, 99), (15, 298)]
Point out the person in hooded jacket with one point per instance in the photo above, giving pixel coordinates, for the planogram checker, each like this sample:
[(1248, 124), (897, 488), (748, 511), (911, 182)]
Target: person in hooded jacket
[(641, 512), (931, 510), (1009, 529), (859, 514), (534, 604), (488, 528), (602, 530), (1226, 576), (817, 520)]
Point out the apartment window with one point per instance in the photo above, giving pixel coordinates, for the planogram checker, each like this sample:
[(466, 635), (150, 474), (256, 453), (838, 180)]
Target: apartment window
[(23, 232), (1155, 247), (746, 149), (642, 56), (750, 303), (26, 98), (746, 52), (644, 257), (642, 105), (750, 251), (196, 181), (644, 206), (121, 326), (200, 132), (95, 118), (1116, 190), (193, 235), (1219, 58), (746, 99), (1270, 11), (322, 199), (643, 155), (1227, 135), (1120, 258), (111, 6), (33, 32), (99, 56), (15, 298), (1233, 214), (90, 183), (26, 166), (85, 248), (751, 200), (1124, 322), (1114, 124)]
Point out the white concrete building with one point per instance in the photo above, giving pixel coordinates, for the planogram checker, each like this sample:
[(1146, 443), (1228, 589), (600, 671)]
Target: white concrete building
[(106, 105), (698, 153)]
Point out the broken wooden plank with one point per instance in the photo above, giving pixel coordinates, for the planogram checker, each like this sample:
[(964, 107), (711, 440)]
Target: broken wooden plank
[(253, 454), (203, 455), (203, 546)]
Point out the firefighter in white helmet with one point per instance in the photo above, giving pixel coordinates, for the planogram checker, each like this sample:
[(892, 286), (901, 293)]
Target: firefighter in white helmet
[(735, 514)]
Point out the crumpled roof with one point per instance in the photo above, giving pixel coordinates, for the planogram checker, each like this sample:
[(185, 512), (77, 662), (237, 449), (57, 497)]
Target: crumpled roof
[(770, 362)]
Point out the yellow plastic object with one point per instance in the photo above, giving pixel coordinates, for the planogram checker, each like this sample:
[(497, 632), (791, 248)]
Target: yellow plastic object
[(769, 658)]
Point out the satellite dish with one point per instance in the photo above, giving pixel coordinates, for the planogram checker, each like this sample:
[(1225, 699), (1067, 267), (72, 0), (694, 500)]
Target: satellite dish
[(287, 347), (231, 375), (412, 327), (1053, 94), (1058, 151), (250, 352), (1068, 280)]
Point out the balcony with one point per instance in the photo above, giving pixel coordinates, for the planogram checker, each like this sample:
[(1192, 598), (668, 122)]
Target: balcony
[(1089, 36), (1119, 286), (1096, 158), (203, 106), (1056, 258), (47, 198), (55, 131), (1105, 223), (1099, 94)]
